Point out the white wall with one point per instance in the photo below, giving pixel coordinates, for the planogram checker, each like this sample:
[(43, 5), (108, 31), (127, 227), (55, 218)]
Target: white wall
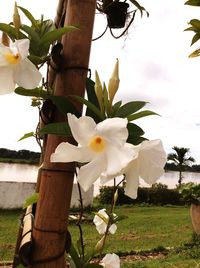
[(13, 194)]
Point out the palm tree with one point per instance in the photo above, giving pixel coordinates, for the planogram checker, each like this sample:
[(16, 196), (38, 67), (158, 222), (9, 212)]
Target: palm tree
[(181, 159)]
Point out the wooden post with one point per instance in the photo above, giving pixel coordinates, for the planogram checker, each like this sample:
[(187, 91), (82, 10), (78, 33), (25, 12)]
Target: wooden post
[(52, 210)]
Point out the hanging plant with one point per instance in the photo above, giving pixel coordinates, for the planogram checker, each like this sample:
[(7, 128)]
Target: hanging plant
[(118, 13)]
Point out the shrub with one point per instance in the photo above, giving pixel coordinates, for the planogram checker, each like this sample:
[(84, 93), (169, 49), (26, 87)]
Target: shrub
[(156, 195)]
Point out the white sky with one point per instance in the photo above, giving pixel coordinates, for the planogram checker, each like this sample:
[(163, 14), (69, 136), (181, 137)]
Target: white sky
[(154, 67)]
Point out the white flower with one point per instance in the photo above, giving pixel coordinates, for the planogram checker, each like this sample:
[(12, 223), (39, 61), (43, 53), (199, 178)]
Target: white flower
[(101, 221), (101, 146), (15, 68), (148, 164), (111, 261)]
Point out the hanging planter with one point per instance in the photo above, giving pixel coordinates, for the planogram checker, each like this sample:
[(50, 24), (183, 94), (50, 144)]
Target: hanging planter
[(116, 14)]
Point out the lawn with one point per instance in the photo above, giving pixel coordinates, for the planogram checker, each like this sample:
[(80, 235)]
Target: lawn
[(141, 229)]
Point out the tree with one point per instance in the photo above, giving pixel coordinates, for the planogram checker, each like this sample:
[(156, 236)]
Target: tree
[(181, 159)]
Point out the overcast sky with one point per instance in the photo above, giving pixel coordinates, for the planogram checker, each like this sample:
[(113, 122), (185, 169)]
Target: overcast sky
[(154, 67)]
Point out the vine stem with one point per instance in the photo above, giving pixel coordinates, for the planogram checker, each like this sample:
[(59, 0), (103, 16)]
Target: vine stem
[(109, 221), (80, 220)]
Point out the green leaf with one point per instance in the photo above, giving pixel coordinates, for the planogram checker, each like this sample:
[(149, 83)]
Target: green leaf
[(60, 129), (32, 33), (29, 16), (135, 140), (11, 31), (79, 246), (193, 2), (36, 92), (64, 105), (52, 36), (116, 107), (91, 95), (106, 102), (36, 60), (140, 114), (90, 106), (141, 8), (134, 129), (27, 135), (130, 108), (196, 24), (195, 38), (195, 53), (75, 257), (135, 133), (31, 200)]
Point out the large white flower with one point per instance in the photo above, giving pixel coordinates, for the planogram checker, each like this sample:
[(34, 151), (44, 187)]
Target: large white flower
[(16, 68), (111, 261), (101, 221), (148, 164), (101, 146)]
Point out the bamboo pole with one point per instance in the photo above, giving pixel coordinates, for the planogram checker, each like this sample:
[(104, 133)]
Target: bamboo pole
[(57, 179), (60, 13), (59, 22)]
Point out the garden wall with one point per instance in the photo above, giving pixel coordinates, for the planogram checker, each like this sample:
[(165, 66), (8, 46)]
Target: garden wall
[(13, 194)]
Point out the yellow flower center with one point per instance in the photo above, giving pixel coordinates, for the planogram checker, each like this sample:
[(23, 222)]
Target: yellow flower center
[(97, 144), (12, 59)]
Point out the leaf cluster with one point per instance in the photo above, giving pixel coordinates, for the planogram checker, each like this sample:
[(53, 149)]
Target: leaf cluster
[(131, 111), (194, 26), (41, 33), (190, 193), (102, 5)]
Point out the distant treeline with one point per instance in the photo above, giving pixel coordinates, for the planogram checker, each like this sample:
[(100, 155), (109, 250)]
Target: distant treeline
[(26, 156), (173, 167), (21, 156)]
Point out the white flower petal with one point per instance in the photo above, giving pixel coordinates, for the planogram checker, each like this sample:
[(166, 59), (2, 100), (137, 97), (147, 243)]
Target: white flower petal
[(106, 178), (27, 75), (82, 128), (152, 159), (114, 130), (66, 152), (4, 50), (99, 222), (7, 84), (117, 159), (132, 179), (113, 228), (111, 261), (22, 47), (90, 172)]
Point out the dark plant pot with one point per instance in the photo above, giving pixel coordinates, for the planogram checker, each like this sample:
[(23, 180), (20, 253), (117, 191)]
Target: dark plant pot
[(116, 14)]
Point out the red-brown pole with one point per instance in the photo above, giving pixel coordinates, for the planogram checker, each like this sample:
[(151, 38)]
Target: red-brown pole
[(57, 179)]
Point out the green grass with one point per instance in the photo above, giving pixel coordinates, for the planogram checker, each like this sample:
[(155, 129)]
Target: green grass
[(9, 222), (143, 228)]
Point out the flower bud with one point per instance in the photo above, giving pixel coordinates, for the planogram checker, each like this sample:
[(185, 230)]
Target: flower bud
[(115, 196), (98, 88), (5, 39), (113, 83), (100, 244), (16, 18), (107, 104)]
